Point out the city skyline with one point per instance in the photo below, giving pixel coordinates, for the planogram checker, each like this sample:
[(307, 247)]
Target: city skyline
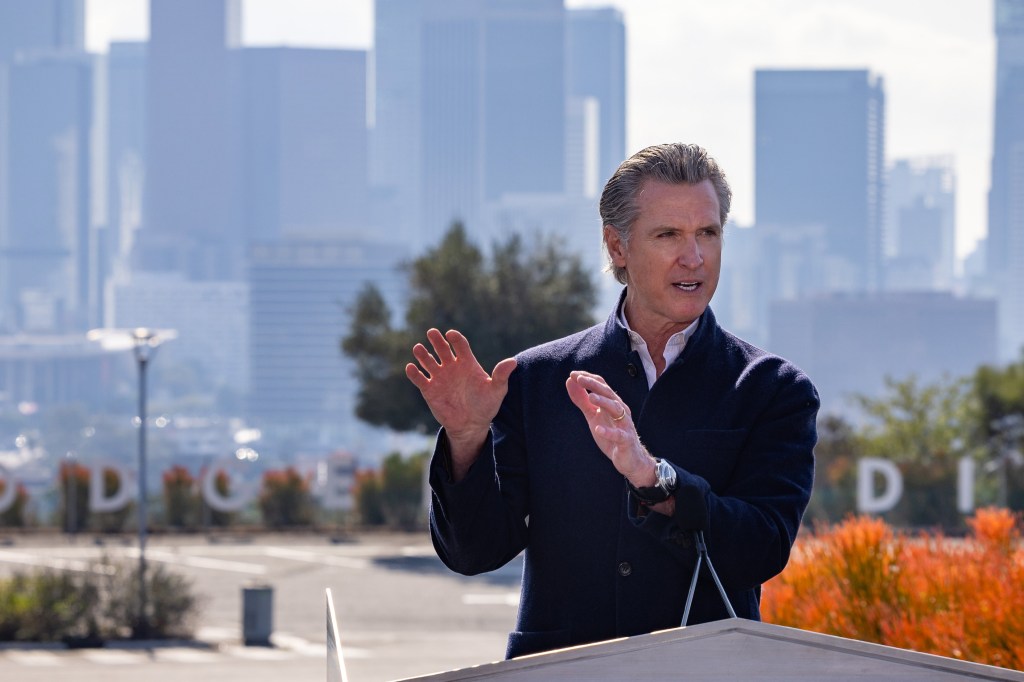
[(937, 59)]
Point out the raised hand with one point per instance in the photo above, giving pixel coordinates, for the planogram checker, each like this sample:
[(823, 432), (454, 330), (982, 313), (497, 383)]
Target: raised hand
[(460, 394), (611, 424)]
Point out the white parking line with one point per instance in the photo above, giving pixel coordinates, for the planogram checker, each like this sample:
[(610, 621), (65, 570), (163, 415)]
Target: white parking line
[(26, 559), (316, 558), (32, 658), (202, 562), (115, 656), (507, 599)]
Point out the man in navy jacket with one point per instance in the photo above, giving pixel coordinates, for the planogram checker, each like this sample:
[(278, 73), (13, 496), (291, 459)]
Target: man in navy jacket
[(601, 454)]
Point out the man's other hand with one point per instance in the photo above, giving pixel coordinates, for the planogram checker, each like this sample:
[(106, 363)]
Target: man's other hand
[(463, 398)]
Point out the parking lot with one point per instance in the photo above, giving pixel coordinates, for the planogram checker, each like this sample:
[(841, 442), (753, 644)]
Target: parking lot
[(400, 612)]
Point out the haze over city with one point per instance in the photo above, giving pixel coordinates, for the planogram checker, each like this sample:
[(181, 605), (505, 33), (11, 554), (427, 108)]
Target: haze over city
[(690, 70)]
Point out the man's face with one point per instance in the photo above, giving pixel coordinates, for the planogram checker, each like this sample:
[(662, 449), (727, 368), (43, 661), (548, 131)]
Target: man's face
[(673, 257)]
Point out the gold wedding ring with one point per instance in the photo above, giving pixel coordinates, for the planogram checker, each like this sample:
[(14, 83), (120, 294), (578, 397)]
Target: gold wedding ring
[(621, 416)]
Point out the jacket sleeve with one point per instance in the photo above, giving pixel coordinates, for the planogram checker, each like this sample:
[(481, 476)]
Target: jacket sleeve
[(750, 524), (480, 523)]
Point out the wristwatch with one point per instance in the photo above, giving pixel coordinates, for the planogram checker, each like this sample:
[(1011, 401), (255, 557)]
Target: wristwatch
[(662, 488)]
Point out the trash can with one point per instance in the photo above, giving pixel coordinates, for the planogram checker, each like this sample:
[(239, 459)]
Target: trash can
[(257, 615)]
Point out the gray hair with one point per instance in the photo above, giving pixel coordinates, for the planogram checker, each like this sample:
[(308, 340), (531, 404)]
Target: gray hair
[(675, 163)]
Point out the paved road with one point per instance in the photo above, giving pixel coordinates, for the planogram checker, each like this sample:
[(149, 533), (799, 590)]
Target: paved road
[(400, 612)]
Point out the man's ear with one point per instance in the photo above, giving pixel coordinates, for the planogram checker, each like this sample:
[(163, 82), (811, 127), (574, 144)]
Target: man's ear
[(613, 244)]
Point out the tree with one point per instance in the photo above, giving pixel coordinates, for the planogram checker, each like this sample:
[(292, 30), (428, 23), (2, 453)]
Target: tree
[(835, 470), (517, 298), (926, 430), (1000, 396)]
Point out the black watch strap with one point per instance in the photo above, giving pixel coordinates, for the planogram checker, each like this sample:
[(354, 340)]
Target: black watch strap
[(656, 493)]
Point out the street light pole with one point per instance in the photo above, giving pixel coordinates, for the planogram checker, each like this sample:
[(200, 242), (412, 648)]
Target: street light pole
[(143, 342), (142, 356)]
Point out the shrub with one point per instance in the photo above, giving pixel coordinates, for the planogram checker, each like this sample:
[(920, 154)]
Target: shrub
[(368, 498), (74, 485), (953, 597), (14, 516), (171, 605), (181, 499), (286, 499), (92, 606)]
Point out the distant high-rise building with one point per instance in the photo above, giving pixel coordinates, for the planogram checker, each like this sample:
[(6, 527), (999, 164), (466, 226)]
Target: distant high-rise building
[(920, 224), (819, 161), (396, 130), (28, 29), (596, 68), (191, 188), (126, 140), (1005, 257), (29, 25), (45, 246), (300, 294), (210, 317), (849, 343), (492, 106), (304, 142)]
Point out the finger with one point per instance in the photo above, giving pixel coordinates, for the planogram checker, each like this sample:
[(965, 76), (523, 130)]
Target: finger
[(595, 383), (615, 409), (426, 360), (502, 371), (460, 344), (417, 377), (441, 347), (580, 397)]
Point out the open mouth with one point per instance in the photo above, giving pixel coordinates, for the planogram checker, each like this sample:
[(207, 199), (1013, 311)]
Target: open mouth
[(687, 286)]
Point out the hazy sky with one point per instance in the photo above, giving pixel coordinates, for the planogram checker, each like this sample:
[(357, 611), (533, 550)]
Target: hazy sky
[(691, 68)]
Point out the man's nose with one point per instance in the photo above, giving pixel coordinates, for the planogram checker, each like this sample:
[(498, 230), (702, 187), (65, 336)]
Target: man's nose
[(690, 256)]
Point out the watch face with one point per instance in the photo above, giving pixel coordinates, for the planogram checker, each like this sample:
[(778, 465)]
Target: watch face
[(666, 476)]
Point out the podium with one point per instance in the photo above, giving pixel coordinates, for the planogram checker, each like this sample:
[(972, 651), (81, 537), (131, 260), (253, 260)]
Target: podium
[(732, 649)]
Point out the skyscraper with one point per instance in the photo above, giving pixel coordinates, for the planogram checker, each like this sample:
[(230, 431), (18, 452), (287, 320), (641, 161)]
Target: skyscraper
[(191, 190), (492, 106), (29, 29), (920, 224), (304, 142), (395, 135), (596, 68), (819, 161), (28, 25), (300, 294), (1005, 255), (126, 139), (45, 247)]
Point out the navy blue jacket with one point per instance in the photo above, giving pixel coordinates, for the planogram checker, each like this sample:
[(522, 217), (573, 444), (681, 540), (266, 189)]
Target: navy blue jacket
[(736, 422)]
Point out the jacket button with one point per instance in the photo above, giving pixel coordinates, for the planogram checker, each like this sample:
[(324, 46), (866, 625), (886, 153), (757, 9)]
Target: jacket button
[(631, 369), (625, 569)]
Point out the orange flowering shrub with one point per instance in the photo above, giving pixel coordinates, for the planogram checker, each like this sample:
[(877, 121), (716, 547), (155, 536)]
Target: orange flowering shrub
[(962, 598)]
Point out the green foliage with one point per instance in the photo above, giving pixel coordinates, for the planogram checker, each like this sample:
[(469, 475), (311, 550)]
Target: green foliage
[(171, 604), (52, 606), (14, 516), (835, 470), (402, 490), (392, 496), (516, 299), (368, 499), (926, 430), (48, 606), (286, 499), (73, 510), (181, 498), (1000, 394)]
